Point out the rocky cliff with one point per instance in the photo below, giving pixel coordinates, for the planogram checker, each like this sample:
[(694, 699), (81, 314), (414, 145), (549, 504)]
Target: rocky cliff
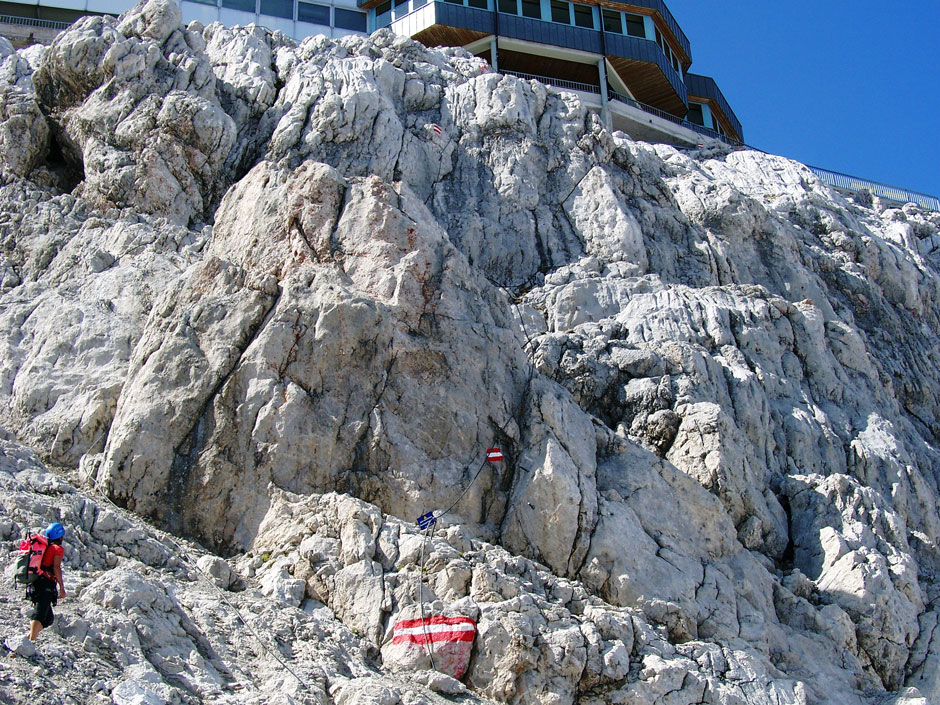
[(278, 298)]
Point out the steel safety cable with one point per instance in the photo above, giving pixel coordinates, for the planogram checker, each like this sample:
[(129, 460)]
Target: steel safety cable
[(96, 487)]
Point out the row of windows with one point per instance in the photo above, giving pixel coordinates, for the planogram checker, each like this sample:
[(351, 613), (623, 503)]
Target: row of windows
[(667, 50), (313, 13), (383, 12), (562, 12), (614, 21)]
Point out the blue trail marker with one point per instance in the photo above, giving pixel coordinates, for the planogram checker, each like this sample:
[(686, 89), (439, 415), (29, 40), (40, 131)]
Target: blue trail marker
[(426, 520)]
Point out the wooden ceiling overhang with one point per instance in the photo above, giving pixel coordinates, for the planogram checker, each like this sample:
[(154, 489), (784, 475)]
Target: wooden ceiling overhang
[(439, 35), (649, 85)]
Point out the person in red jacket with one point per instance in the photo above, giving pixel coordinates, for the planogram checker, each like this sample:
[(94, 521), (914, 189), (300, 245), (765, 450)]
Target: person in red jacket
[(49, 588)]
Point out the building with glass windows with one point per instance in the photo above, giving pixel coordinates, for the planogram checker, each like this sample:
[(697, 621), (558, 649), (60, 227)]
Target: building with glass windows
[(627, 60), (630, 60)]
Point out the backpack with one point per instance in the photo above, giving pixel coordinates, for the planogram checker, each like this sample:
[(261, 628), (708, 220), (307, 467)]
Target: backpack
[(29, 564)]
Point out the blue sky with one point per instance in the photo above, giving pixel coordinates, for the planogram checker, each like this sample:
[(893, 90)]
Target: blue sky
[(848, 86)]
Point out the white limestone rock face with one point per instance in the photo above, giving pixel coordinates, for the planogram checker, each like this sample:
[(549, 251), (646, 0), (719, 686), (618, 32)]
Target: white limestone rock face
[(77, 289), (243, 60), (143, 624), (611, 232), (865, 565), (715, 382), (324, 315), (540, 638), (554, 507), (134, 102), (24, 132)]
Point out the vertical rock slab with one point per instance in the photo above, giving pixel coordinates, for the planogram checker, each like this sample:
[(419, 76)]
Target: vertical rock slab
[(347, 310), (553, 506)]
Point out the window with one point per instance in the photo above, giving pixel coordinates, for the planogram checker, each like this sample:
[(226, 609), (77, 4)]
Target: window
[(560, 12), (695, 115), (383, 14), (532, 8), (243, 5), (350, 19), (401, 8), (508, 6), (278, 8), (675, 62), (314, 14), (583, 16), (612, 22), (481, 4), (635, 26)]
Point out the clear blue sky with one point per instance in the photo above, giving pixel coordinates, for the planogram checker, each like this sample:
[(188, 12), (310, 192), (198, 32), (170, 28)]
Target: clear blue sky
[(848, 86)]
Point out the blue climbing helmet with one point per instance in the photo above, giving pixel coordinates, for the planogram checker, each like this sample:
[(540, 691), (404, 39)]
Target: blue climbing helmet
[(55, 531)]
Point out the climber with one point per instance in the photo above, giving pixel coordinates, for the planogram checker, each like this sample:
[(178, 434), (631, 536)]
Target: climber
[(49, 588)]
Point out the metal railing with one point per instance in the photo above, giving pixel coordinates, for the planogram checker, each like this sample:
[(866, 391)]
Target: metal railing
[(33, 22), (855, 184), (557, 82), (621, 98)]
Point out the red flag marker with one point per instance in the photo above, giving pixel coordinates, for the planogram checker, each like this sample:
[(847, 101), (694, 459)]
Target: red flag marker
[(494, 455)]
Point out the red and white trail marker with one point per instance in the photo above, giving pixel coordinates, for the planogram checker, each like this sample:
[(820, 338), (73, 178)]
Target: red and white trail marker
[(494, 455), (450, 640), (436, 129)]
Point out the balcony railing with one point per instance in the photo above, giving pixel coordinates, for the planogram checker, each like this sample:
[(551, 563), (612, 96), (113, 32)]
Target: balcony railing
[(557, 82), (855, 184), (33, 22)]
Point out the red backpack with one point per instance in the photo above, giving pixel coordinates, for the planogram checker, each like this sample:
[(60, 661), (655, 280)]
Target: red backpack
[(29, 564)]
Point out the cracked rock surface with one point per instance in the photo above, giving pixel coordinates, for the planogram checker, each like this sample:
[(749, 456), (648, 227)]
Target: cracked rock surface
[(251, 293)]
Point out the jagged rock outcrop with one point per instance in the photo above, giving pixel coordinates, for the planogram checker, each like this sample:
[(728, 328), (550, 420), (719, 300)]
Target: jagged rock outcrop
[(135, 107), (247, 288), (24, 133)]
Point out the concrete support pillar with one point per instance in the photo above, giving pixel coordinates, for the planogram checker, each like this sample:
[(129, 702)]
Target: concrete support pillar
[(605, 111), (493, 60)]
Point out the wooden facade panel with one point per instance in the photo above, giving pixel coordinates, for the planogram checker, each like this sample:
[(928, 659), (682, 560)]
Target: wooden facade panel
[(648, 85), (544, 66), (443, 36)]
